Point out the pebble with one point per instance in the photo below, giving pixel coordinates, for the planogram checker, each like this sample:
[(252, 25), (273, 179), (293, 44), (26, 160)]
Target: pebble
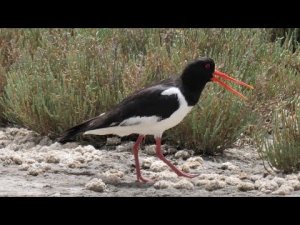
[(243, 176), (96, 185), (158, 166), (279, 180), (184, 184), (211, 176), (200, 182), (228, 166), (266, 186), (147, 162), (234, 181), (33, 171), (245, 186), (45, 141), (283, 190), (112, 176), (113, 141), (17, 160), (295, 184), (52, 158), (162, 184), (127, 147), (215, 185), (255, 177), (182, 154)]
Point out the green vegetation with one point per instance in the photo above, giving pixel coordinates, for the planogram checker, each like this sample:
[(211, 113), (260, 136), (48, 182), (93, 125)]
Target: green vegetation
[(52, 79), (282, 150)]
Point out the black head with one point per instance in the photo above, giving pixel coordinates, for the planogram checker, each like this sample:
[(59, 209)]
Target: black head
[(197, 73)]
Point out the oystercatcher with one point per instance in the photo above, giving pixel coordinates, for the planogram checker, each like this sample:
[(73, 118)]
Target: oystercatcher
[(154, 109)]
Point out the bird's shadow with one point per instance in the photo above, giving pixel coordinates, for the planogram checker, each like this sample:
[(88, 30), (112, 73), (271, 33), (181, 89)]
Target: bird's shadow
[(133, 184)]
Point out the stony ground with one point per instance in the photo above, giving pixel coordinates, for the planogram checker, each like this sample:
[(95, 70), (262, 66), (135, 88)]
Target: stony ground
[(31, 165)]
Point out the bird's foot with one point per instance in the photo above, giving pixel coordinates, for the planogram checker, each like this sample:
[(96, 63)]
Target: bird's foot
[(188, 175), (141, 179)]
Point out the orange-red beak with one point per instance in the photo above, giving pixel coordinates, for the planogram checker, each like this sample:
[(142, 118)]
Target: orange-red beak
[(217, 74)]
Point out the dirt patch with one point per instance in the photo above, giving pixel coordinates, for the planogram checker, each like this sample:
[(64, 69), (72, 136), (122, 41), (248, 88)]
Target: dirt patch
[(31, 165)]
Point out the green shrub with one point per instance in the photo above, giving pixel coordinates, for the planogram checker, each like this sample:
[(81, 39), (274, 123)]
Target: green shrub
[(282, 148)]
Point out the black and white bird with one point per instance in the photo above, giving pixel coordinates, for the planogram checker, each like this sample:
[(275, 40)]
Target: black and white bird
[(155, 109)]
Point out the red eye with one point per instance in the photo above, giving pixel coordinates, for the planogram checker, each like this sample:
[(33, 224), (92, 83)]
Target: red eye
[(207, 66)]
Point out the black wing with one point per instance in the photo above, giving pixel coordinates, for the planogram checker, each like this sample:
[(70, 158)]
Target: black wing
[(145, 102)]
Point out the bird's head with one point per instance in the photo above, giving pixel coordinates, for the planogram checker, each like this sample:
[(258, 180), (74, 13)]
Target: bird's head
[(201, 71)]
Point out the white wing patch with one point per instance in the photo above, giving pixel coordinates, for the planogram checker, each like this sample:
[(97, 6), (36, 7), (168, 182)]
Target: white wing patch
[(144, 120)]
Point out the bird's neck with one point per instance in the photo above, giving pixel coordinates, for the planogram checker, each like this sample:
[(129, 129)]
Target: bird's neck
[(192, 91)]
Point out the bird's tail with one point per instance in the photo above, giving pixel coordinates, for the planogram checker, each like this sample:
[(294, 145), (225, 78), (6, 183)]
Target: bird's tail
[(71, 132)]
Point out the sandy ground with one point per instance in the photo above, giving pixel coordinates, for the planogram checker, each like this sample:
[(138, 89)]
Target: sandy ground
[(31, 165)]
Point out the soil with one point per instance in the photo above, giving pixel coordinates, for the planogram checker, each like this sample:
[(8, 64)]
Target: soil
[(32, 165)]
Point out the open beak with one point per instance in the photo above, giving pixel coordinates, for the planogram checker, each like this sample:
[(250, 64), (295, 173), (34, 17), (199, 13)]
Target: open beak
[(217, 74)]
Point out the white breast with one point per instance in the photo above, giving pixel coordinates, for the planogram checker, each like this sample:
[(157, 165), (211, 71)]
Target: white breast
[(151, 125)]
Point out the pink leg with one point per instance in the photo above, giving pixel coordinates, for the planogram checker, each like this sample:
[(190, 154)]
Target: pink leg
[(136, 159), (161, 156)]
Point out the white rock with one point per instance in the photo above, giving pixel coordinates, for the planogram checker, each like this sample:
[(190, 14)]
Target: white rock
[(150, 149), (295, 184), (127, 147), (184, 184), (185, 168), (167, 175), (279, 180), (96, 185), (162, 184), (24, 167), (45, 166), (45, 141), (55, 146), (38, 158), (243, 176), (192, 164), (79, 149), (14, 147), (215, 185), (211, 176), (41, 148), (291, 177), (172, 150), (228, 166), (147, 162), (234, 181), (284, 189), (80, 159), (196, 159), (266, 186), (76, 164), (33, 171), (182, 154), (51, 158), (29, 160), (113, 141), (158, 166), (17, 160), (112, 176), (90, 148), (245, 186), (200, 182), (255, 177)]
